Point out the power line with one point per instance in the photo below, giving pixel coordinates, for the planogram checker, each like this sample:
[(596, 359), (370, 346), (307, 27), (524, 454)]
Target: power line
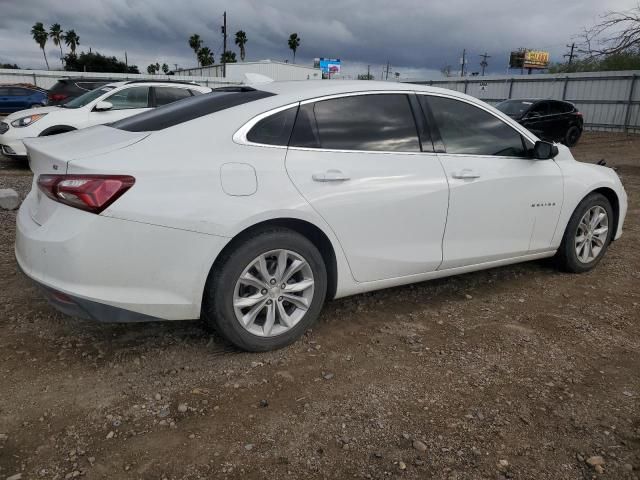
[(484, 64)]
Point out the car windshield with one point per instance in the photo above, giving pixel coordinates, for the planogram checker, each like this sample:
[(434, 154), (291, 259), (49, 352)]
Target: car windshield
[(86, 98), (514, 108)]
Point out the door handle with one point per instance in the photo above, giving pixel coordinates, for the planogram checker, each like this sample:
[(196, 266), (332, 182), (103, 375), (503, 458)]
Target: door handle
[(330, 176), (465, 174)]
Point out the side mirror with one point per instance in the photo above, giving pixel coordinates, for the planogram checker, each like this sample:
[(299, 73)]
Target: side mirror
[(103, 106), (544, 150)]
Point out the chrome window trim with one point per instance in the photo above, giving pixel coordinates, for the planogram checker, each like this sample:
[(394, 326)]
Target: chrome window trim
[(240, 137)]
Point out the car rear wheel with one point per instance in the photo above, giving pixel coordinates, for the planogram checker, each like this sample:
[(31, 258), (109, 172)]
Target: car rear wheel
[(572, 136), (266, 292), (587, 236)]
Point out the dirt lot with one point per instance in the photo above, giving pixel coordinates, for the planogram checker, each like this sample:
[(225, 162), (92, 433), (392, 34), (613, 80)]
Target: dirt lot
[(518, 372)]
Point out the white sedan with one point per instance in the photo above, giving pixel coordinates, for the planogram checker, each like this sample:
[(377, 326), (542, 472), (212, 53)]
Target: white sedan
[(249, 207), (107, 104)]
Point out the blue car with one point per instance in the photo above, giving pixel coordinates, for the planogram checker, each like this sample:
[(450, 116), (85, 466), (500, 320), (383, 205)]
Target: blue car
[(15, 98)]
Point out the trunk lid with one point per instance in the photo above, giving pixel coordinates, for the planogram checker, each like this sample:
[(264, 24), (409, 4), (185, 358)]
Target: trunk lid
[(51, 155)]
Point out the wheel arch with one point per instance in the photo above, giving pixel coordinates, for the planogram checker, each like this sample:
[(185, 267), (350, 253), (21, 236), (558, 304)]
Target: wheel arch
[(56, 129), (612, 196), (303, 227)]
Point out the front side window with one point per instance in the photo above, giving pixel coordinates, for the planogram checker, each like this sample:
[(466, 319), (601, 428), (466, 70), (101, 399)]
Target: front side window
[(274, 129), (165, 95), (134, 97), (469, 130), (86, 98), (382, 122), (4, 92), (540, 109)]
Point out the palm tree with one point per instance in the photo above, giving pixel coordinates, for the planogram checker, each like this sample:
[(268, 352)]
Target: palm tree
[(294, 43), (40, 35), (205, 56), (195, 42), (165, 68), (72, 40), (241, 41), (55, 34), (151, 69), (228, 57)]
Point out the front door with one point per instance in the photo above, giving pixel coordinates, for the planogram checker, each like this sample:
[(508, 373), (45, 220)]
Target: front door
[(357, 160), (503, 203)]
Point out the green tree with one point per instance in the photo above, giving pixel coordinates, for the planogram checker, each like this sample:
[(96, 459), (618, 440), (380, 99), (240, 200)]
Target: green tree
[(55, 34), (294, 43), (205, 56), (165, 68), (151, 69), (241, 41), (12, 66), (365, 76), (195, 42), (95, 62), (40, 35), (228, 57), (72, 40), (627, 60)]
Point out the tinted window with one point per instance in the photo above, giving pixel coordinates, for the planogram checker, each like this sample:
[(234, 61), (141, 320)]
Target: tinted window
[(540, 109), (20, 92), (195, 92), (275, 129), (90, 85), (466, 129), (86, 98), (367, 122), (133, 97), (4, 91), (189, 109), (560, 107), (514, 108), (166, 95)]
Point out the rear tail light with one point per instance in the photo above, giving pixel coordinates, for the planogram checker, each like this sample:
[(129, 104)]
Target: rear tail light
[(578, 114), (93, 193), (57, 97)]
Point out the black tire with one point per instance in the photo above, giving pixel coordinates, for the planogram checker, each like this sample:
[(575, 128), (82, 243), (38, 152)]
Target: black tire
[(572, 136), (217, 306), (567, 257)]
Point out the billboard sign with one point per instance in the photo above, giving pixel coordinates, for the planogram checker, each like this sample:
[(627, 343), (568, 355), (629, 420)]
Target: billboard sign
[(529, 59), (330, 66)]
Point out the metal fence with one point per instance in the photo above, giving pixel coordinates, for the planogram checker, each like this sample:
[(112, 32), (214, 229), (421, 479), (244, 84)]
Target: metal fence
[(609, 101), (46, 79)]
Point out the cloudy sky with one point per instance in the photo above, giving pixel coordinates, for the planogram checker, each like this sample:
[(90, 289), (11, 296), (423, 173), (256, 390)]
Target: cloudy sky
[(417, 37)]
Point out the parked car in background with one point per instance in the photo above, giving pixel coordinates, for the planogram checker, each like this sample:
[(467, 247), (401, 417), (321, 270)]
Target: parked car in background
[(67, 89), (106, 104), (17, 97), (551, 120), (249, 207)]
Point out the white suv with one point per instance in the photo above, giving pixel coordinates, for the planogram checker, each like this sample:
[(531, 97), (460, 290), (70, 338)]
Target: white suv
[(107, 104)]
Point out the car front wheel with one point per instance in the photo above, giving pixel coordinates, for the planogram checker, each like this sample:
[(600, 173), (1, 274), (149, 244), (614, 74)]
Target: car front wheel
[(572, 136), (588, 234), (267, 291)]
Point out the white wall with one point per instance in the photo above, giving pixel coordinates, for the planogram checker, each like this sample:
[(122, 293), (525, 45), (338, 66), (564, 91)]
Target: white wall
[(276, 70), (46, 78)]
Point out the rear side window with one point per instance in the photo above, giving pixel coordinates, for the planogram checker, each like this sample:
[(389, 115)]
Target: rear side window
[(560, 107), (4, 91), (469, 130), (540, 109), (382, 122), (20, 92), (166, 95), (90, 85), (274, 129)]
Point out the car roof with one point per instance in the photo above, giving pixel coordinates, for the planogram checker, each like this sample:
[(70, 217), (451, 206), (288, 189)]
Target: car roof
[(155, 83)]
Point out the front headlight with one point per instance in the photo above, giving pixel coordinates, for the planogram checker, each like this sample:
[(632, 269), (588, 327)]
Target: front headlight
[(26, 121)]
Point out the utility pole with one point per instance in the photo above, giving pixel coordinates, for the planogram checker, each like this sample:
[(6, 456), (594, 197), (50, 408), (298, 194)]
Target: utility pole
[(386, 70), (570, 55), (484, 64), (463, 61), (368, 74), (224, 44), (126, 61)]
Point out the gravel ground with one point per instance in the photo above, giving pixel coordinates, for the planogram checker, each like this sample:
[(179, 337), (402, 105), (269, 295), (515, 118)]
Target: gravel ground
[(517, 372)]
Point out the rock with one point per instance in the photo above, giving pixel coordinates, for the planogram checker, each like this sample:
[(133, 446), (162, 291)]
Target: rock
[(627, 467), (285, 375), (248, 446), (110, 435), (599, 469), (17, 476), (182, 408), (3, 437), (402, 465), (327, 375), (264, 403), (468, 297), (9, 199), (420, 446), (503, 465), (595, 461), (192, 436), (158, 397)]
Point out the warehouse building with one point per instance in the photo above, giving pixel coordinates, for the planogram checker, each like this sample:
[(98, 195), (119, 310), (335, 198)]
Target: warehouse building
[(269, 68)]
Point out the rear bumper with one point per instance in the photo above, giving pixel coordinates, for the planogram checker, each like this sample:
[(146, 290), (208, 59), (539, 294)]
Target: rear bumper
[(108, 269)]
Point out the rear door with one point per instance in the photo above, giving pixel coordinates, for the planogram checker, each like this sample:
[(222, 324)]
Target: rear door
[(164, 95), (503, 203), (357, 159), (7, 100), (125, 103)]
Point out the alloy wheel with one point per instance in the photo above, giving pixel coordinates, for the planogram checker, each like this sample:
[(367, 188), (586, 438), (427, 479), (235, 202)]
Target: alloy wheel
[(591, 234), (274, 292)]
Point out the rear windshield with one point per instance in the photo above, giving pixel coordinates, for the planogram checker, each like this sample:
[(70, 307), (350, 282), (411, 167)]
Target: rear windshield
[(514, 108), (189, 109)]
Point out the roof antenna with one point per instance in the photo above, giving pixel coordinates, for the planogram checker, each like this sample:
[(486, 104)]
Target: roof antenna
[(253, 78)]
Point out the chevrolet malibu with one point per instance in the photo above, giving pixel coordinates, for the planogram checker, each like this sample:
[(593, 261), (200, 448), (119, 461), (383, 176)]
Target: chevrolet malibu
[(249, 207)]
